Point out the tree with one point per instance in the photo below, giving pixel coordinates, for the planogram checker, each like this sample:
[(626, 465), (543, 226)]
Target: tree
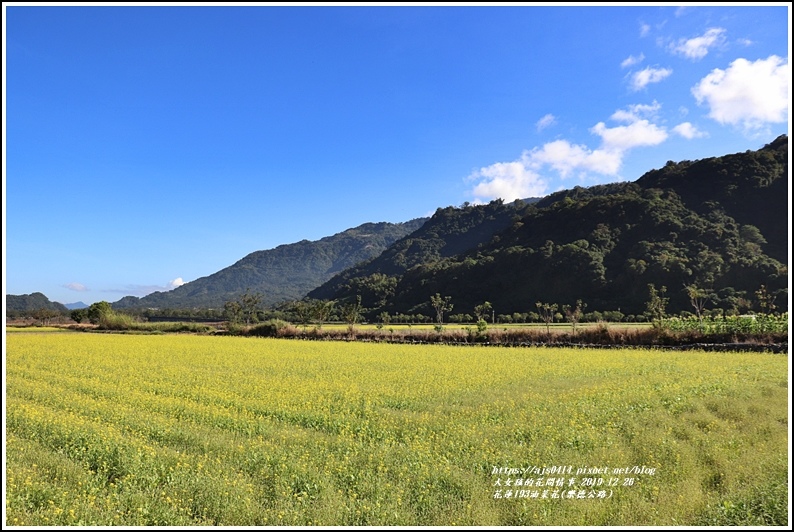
[(302, 311), (232, 311), (441, 305), (766, 300), (79, 314), (547, 311), (657, 304), (321, 310), (98, 310), (46, 315), (249, 306), (351, 312), (245, 308), (383, 319), (483, 311), (574, 315), (698, 297)]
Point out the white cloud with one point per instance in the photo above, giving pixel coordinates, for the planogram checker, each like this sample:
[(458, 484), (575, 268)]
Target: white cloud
[(622, 138), (545, 122), (141, 290), (688, 131), (175, 283), (509, 181), (561, 155), (698, 47), (138, 290), (636, 112), (645, 29), (523, 178), (632, 60), (567, 158), (748, 94), (77, 287), (639, 80)]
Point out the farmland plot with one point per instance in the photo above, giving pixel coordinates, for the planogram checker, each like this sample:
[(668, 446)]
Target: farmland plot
[(189, 430)]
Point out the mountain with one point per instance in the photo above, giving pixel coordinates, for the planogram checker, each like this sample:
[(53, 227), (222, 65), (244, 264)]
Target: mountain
[(287, 272), (450, 232), (719, 224), (76, 306), (750, 187), (31, 303)]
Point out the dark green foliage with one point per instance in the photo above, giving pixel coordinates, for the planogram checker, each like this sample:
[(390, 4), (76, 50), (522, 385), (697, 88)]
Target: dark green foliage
[(450, 232), (27, 304), (45, 316), (78, 315), (750, 187), (484, 311), (719, 225), (98, 311)]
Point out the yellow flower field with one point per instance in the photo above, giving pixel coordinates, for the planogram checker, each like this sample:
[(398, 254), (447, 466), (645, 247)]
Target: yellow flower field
[(107, 429)]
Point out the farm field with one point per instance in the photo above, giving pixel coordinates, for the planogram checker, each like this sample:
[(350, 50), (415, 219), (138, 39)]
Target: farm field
[(200, 430)]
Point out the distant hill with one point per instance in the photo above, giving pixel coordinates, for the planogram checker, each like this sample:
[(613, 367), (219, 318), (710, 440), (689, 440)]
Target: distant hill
[(718, 223), (31, 303), (76, 306), (287, 272), (450, 232)]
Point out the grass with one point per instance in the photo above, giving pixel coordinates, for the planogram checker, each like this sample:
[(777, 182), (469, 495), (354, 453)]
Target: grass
[(601, 334), (33, 329), (199, 430)]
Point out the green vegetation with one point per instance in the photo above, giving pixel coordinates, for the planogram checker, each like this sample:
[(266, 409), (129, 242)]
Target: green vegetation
[(27, 304), (705, 238), (755, 324), (713, 232), (448, 233), (188, 430)]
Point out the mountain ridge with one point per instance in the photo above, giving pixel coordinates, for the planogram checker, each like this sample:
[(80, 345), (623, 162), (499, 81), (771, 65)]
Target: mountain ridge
[(283, 273), (32, 302), (718, 224)]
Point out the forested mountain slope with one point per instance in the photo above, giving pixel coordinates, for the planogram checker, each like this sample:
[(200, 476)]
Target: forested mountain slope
[(283, 273), (719, 224)]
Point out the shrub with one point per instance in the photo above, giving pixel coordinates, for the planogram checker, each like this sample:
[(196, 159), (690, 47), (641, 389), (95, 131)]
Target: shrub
[(270, 328), (116, 321)]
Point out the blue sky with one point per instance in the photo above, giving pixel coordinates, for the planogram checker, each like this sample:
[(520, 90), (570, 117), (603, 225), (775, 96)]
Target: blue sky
[(150, 146)]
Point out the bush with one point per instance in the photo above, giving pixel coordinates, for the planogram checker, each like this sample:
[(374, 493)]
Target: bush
[(731, 325), (270, 328), (116, 321)]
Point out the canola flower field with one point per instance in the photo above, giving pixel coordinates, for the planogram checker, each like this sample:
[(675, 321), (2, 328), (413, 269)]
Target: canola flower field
[(106, 429)]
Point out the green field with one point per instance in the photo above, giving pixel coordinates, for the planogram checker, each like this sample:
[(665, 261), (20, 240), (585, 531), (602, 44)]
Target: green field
[(186, 430)]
